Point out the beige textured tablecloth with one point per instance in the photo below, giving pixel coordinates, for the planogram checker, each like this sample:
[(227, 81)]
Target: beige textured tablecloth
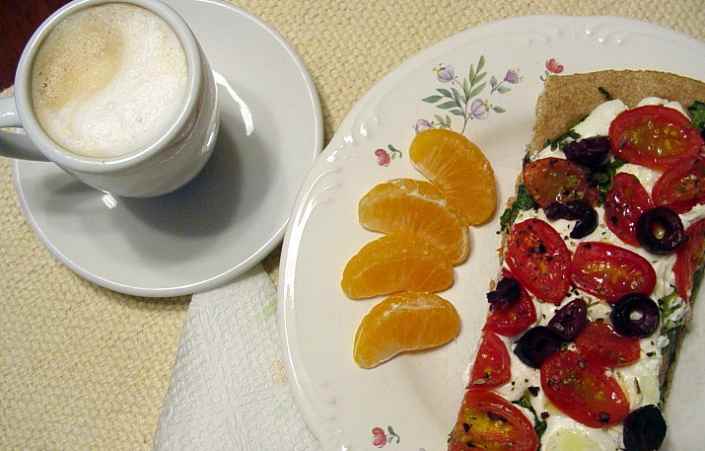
[(82, 367)]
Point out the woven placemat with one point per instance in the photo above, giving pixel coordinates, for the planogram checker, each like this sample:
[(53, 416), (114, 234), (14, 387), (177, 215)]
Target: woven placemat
[(84, 368)]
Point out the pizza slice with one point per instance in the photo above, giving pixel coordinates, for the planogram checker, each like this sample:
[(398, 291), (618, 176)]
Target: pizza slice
[(602, 255)]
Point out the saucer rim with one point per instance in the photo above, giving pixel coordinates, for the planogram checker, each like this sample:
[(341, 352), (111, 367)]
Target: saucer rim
[(234, 271)]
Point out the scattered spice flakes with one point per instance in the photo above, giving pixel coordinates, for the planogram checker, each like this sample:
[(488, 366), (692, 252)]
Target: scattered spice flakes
[(603, 417), (534, 391), (545, 415), (650, 354)]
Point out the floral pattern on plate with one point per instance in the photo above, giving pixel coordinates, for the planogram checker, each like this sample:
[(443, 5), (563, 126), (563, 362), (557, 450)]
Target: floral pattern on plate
[(380, 438), (385, 156), (552, 67), (462, 96)]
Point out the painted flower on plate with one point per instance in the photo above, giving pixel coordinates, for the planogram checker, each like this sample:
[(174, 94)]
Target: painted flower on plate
[(379, 438), (553, 66), (421, 125), (512, 76), (479, 109), (383, 158), (445, 73)]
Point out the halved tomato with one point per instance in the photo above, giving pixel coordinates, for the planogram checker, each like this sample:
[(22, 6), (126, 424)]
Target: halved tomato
[(625, 202), (609, 272), (514, 319), (581, 389), (488, 421), (600, 344), (539, 259), (654, 136), (552, 179), (492, 365), (681, 186), (689, 258)]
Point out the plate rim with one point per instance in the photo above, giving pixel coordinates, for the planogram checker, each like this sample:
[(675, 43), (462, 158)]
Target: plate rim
[(290, 250), (242, 266)]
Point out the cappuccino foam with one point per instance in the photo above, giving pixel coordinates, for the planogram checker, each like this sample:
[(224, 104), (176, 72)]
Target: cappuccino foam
[(109, 80)]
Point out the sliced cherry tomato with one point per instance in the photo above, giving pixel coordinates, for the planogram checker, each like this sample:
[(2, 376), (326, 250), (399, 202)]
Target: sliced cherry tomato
[(552, 179), (492, 365), (600, 344), (515, 318), (681, 186), (581, 389), (488, 421), (654, 136), (625, 202), (689, 258), (539, 259), (609, 272)]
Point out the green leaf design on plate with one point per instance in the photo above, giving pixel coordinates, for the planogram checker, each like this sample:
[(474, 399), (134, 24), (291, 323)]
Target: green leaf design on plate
[(456, 96), (478, 89), (479, 77), (432, 99), (445, 92), (481, 63), (498, 109), (447, 105)]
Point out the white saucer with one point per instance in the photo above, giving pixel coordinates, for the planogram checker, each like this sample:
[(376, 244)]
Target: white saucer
[(234, 213)]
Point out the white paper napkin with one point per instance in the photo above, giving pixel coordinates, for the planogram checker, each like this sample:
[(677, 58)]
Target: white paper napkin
[(229, 389)]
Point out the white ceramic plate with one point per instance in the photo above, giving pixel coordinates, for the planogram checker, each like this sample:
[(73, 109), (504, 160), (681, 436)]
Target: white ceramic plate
[(234, 213), (414, 399)]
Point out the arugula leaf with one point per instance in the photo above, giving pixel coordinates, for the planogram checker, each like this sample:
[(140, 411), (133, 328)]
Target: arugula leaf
[(602, 177), (668, 305), (523, 201), (697, 113), (525, 402), (561, 141)]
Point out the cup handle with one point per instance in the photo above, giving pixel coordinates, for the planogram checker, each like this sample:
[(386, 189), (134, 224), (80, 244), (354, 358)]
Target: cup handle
[(15, 145)]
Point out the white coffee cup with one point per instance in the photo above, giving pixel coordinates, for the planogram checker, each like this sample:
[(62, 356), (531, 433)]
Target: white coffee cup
[(172, 160)]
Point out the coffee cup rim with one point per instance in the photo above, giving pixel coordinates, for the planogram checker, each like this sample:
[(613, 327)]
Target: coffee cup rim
[(69, 160)]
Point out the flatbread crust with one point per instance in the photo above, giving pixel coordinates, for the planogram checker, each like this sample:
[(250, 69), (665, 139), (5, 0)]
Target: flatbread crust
[(568, 98)]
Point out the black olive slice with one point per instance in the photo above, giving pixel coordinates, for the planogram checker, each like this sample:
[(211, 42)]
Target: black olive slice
[(536, 345), (569, 320), (506, 293), (583, 212), (644, 429), (660, 230), (635, 315), (591, 152)]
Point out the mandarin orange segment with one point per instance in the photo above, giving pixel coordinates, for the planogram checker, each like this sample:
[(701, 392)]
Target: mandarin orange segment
[(405, 322), (416, 208), (396, 263), (459, 168)]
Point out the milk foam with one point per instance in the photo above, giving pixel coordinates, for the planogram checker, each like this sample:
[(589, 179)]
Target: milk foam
[(109, 80)]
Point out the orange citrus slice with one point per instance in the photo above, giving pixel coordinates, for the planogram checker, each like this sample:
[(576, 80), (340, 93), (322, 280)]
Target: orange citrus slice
[(396, 263), (460, 169), (404, 322), (417, 208)]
